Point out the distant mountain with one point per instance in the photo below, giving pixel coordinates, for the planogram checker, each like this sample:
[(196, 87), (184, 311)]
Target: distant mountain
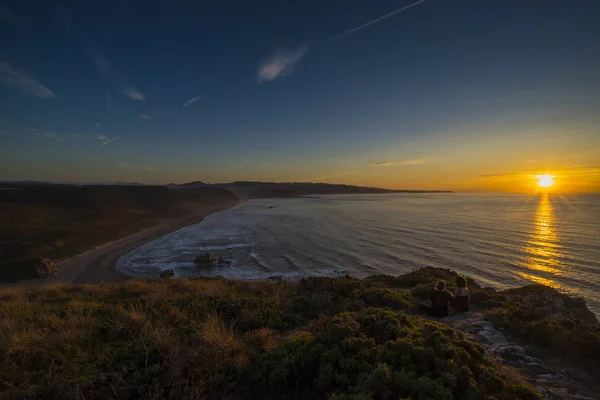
[(195, 184), (130, 184), (249, 189)]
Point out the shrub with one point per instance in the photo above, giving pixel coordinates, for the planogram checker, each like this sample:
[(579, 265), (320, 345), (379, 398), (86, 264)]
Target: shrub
[(214, 338)]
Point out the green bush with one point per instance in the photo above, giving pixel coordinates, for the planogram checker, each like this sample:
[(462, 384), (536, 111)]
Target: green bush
[(379, 354), (318, 338), (384, 297)]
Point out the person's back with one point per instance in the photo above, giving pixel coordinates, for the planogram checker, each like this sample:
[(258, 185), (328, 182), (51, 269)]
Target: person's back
[(439, 302), (462, 295), (440, 298)]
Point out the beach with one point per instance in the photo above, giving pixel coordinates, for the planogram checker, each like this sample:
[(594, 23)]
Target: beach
[(98, 264)]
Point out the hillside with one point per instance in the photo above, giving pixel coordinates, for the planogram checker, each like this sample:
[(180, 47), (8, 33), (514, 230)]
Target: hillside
[(58, 221), (244, 189), (318, 338)]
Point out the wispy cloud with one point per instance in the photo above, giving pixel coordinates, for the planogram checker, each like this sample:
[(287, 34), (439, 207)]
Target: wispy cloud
[(191, 101), (12, 77), (51, 135), (503, 174), (400, 163), (97, 125), (6, 14), (282, 63), (108, 72), (570, 170), (108, 102), (106, 140), (137, 167), (376, 20), (335, 175), (144, 116)]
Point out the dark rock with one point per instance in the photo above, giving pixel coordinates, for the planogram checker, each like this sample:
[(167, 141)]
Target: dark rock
[(544, 302), (46, 268), (221, 260), (205, 258), (489, 289), (167, 274)]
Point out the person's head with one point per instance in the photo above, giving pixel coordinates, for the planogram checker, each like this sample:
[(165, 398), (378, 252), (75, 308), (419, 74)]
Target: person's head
[(461, 282), (440, 285)]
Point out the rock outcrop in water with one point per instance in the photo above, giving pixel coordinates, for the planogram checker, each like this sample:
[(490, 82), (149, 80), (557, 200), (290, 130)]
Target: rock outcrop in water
[(205, 258), (167, 274)]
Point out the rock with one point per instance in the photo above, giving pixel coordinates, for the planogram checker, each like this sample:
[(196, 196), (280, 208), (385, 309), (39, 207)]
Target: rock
[(221, 260), (46, 268), (489, 289), (275, 278), (544, 302), (167, 274), (205, 258)]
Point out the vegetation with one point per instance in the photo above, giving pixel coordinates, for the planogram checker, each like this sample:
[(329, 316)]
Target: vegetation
[(535, 314), (58, 221), (319, 338)]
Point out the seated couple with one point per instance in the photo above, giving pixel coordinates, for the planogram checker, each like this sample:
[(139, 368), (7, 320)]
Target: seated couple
[(441, 297)]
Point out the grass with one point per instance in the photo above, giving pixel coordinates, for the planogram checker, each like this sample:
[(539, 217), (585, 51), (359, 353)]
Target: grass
[(319, 338)]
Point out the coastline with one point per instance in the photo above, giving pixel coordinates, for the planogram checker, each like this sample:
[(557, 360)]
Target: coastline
[(97, 265)]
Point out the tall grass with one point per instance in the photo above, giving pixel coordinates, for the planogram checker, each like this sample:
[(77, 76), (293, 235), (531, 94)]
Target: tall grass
[(214, 338)]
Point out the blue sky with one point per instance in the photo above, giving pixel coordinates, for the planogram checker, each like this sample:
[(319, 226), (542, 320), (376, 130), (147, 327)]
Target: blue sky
[(438, 95)]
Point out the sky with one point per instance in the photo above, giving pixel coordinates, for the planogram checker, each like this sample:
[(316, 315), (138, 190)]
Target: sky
[(462, 95)]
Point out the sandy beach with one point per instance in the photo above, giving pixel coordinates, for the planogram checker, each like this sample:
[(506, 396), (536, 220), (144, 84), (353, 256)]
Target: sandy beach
[(98, 265)]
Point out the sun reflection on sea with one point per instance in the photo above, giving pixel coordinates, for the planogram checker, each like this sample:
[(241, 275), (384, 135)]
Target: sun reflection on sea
[(542, 249)]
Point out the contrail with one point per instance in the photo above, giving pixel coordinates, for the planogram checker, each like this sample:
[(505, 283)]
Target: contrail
[(341, 35), (109, 140)]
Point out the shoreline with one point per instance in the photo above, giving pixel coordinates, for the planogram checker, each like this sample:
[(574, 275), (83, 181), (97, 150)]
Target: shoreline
[(98, 265)]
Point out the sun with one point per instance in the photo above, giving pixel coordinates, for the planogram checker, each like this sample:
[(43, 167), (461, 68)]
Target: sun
[(545, 181)]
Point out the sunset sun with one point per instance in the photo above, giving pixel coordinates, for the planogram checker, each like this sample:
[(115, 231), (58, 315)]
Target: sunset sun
[(545, 181)]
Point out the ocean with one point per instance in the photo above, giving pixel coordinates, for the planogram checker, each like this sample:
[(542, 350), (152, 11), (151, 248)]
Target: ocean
[(503, 241)]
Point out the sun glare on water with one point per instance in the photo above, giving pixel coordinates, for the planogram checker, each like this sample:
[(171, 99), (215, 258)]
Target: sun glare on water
[(545, 181)]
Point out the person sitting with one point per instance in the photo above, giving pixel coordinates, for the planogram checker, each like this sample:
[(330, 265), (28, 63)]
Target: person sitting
[(440, 297), (462, 296)]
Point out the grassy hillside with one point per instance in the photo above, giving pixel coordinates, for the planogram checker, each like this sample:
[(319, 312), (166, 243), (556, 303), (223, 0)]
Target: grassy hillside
[(59, 221), (319, 338)]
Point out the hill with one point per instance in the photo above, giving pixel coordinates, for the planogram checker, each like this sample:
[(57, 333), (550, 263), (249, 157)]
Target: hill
[(58, 221), (245, 189), (318, 338)]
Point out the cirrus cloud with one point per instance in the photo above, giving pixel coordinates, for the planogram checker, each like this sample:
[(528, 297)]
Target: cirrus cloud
[(17, 79), (108, 72), (191, 101), (400, 163), (282, 63)]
